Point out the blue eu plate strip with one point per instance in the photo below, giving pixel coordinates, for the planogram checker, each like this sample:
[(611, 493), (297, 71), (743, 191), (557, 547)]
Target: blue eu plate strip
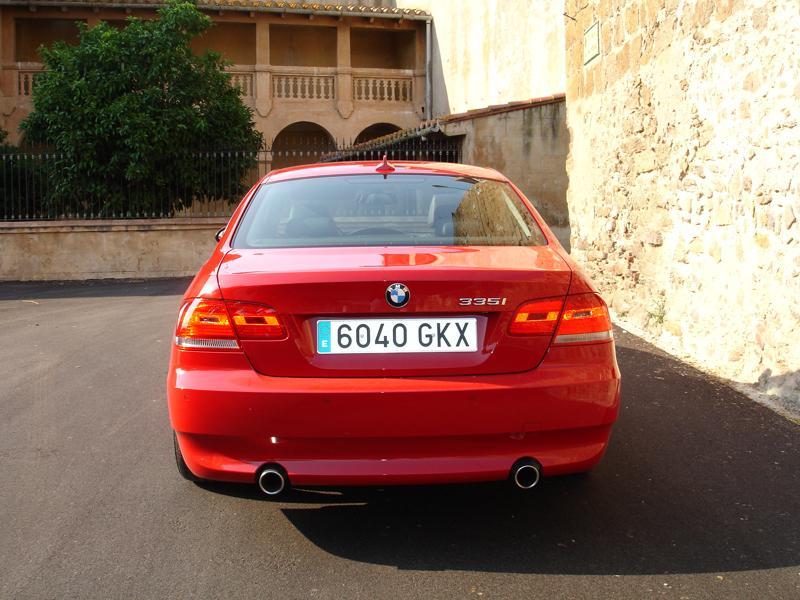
[(323, 336)]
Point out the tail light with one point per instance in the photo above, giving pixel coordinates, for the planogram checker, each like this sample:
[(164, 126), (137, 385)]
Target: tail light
[(537, 318), (585, 319), (215, 324), (581, 318), (255, 322)]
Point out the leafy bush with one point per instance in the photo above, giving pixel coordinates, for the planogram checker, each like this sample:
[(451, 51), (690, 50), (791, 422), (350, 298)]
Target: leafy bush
[(137, 120)]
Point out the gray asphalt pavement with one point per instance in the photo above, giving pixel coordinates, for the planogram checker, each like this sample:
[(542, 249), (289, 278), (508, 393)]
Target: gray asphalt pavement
[(698, 497)]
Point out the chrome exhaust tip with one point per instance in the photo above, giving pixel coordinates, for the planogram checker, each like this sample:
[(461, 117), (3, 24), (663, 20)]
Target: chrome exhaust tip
[(526, 473), (272, 480)]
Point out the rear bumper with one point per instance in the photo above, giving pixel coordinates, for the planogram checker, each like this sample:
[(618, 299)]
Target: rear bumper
[(231, 420)]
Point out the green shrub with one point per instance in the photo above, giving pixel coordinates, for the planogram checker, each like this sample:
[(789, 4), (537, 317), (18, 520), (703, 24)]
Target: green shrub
[(136, 119)]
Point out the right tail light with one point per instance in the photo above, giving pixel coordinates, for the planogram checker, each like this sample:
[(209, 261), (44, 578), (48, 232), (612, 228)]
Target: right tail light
[(579, 319), (585, 319)]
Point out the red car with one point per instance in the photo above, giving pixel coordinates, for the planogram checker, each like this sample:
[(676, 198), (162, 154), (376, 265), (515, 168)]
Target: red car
[(372, 324)]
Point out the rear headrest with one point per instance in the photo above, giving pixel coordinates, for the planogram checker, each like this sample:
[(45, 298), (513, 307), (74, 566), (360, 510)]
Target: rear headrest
[(442, 207)]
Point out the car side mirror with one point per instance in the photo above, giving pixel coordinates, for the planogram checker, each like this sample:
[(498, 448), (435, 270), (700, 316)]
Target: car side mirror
[(218, 235)]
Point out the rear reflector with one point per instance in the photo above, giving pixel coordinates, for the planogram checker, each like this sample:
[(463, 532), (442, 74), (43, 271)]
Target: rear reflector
[(577, 338), (214, 324), (585, 319), (185, 342)]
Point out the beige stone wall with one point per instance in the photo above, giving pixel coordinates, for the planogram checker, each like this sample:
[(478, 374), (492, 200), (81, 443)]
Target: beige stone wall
[(493, 51), (684, 167), (530, 147), (105, 249)]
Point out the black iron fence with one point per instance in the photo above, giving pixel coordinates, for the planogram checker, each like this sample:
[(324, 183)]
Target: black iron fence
[(41, 186)]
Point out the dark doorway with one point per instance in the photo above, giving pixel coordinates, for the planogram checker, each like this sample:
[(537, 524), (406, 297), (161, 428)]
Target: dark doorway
[(375, 131), (300, 143)]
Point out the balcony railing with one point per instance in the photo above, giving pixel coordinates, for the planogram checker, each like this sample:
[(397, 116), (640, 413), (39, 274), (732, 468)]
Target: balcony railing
[(298, 86), (26, 80), (243, 80), (369, 85), (382, 89)]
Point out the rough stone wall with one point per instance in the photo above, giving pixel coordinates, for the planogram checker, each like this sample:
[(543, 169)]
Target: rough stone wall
[(684, 168)]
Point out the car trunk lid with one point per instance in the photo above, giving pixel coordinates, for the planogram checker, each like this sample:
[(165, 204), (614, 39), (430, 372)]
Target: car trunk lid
[(305, 285)]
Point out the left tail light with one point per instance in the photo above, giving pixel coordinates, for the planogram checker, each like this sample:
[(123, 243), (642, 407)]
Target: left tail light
[(218, 325)]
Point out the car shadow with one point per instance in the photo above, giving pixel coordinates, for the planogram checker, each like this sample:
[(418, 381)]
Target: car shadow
[(698, 478)]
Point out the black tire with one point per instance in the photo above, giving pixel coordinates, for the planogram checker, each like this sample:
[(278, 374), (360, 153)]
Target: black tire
[(183, 469)]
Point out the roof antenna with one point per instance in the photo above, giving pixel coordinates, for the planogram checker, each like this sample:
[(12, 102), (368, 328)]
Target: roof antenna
[(385, 167)]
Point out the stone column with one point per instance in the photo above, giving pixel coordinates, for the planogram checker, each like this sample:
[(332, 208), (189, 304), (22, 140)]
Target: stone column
[(263, 83), (344, 72), (8, 67)]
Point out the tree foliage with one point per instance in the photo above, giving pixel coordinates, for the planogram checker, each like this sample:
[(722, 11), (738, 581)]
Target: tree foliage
[(137, 120)]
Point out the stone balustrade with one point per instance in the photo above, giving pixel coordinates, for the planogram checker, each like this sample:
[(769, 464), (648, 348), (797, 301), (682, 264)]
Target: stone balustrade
[(382, 89), (244, 80), (293, 85), (300, 86), (26, 80)]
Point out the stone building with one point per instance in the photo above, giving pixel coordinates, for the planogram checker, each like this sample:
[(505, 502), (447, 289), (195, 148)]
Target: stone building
[(322, 72), (684, 166)]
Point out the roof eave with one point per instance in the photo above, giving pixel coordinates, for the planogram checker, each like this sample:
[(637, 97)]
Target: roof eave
[(299, 10)]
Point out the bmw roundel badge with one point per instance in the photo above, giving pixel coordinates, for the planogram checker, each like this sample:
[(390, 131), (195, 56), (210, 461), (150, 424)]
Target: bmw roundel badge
[(397, 295)]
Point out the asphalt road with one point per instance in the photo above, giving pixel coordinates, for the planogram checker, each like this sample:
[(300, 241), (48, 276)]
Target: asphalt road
[(698, 497)]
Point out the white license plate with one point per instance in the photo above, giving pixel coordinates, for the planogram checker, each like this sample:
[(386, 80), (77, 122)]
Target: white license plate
[(391, 336)]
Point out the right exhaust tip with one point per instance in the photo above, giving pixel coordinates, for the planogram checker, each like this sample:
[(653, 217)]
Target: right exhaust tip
[(272, 481), (526, 473)]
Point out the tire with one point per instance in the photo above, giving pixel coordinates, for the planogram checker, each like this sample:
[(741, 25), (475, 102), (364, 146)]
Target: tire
[(183, 469)]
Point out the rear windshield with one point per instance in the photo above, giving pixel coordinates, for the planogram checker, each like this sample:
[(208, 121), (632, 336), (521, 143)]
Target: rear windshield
[(399, 210)]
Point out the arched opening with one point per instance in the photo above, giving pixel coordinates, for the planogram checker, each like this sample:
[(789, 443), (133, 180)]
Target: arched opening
[(299, 144), (375, 131)]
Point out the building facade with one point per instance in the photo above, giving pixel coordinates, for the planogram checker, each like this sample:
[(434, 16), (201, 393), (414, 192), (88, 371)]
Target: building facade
[(319, 73)]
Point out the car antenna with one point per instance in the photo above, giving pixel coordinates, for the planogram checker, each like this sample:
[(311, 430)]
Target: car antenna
[(385, 167)]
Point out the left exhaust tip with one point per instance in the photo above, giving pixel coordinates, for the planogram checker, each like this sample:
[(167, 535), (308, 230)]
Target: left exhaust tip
[(526, 473), (272, 480)]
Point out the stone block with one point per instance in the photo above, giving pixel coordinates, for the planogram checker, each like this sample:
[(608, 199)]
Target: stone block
[(653, 238), (632, 18), (645, 161)]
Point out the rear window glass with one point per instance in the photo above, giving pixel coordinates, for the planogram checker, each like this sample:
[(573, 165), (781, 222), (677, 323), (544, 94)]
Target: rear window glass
[(399, 210)]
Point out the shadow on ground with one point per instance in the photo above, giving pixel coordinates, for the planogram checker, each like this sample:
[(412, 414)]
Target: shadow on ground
[(698, 479), (96, 288)]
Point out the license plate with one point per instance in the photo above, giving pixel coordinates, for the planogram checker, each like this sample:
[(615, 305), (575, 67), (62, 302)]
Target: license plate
[(392, 336)]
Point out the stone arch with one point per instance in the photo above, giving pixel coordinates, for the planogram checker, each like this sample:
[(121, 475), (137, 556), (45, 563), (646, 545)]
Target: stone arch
[(375, 130), (300, 143)]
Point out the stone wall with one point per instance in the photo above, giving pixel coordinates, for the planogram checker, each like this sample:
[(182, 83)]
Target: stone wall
[(684, 167), (63, 250)]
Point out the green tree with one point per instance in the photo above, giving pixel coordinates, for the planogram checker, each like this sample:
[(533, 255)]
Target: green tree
[(141, 125)]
